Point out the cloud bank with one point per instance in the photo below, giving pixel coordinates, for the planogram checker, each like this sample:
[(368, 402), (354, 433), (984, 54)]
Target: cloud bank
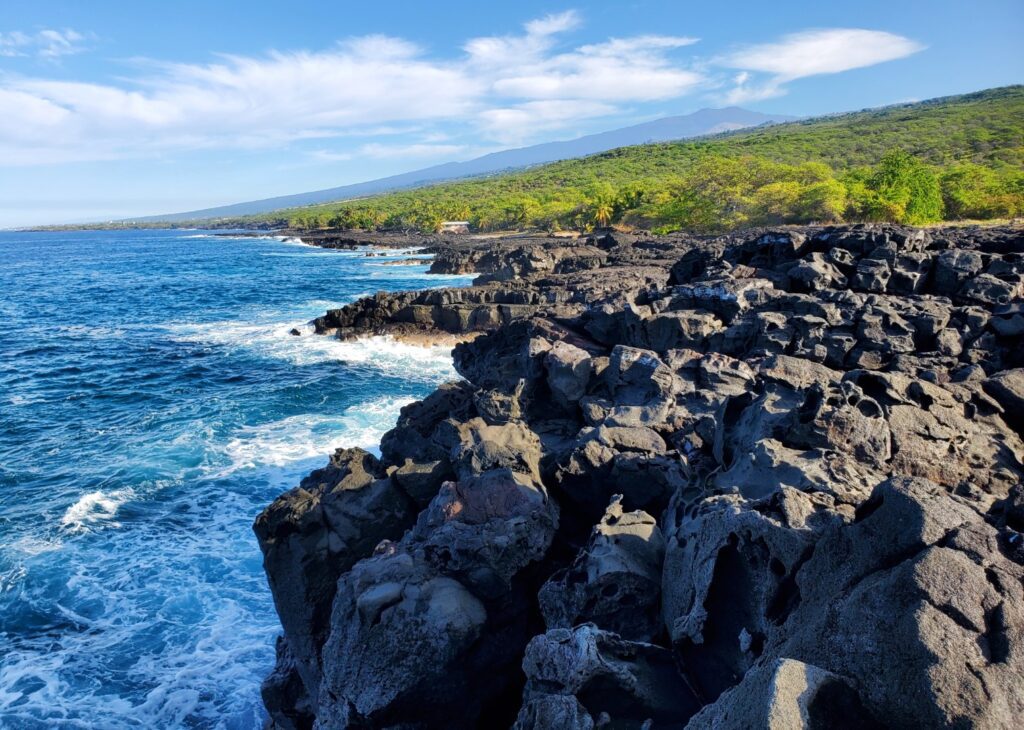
[(496, 89)]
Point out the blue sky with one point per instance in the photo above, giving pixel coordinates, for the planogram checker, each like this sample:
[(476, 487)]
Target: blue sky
[(114, 109)]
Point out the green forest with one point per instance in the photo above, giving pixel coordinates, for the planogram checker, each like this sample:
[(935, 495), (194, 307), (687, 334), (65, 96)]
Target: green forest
[(956, 158)]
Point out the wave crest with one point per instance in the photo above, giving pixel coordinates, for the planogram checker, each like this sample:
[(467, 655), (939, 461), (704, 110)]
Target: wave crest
[(95, 509), (298, 438)]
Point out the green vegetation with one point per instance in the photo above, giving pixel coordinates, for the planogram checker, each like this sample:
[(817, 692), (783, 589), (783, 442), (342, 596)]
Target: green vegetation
[(955, 158), (947, 159)]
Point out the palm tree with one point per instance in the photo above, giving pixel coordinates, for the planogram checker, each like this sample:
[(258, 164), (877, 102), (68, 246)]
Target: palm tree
[(603, 213)]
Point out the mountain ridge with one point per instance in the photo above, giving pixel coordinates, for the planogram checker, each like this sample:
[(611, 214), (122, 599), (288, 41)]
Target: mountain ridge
[(701, 122)]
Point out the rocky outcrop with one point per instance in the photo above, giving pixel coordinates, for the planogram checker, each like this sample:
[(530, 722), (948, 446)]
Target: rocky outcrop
[(614, 582), (520, 277), (588, 678), (771, 479)]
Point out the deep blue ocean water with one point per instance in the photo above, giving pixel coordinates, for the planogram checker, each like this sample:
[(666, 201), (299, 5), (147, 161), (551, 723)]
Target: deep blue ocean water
[(152, 403)]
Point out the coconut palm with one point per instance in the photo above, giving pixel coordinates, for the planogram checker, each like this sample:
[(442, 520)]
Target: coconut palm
[(603, 211)]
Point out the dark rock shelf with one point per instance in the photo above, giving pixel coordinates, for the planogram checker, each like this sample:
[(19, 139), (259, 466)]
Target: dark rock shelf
[(770, 479)]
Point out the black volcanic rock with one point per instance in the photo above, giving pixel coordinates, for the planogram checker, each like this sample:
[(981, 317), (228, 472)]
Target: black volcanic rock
[(768, 479), (615, 581)]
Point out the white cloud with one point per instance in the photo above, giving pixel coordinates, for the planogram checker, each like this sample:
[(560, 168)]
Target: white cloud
[(826, 51), (621, 69), (495, 52), (46, 43), (745, 91), (515, 124), (238, 102), (506, 87), (637, 44), (330, 156), (554, 23), (810, 53), (13, 43)]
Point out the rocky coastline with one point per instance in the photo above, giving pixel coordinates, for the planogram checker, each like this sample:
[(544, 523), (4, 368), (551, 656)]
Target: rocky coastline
[(768, 479)]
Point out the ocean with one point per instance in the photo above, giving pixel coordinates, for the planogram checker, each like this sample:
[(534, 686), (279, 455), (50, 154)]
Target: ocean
[(152, 402)]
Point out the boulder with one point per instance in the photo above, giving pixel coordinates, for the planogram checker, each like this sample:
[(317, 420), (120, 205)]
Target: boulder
[(314, 533), (786, 694), (991, 290), (485, 528), (284, 694), (397, 652), (568, 373), (1008, 320), (615, 582), (1007, 387), (729, 580), (953, 268), (688, 328), (617, 683), (480, 447), (916, 601)]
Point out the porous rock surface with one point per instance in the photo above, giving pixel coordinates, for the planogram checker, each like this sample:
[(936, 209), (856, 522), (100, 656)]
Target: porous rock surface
[(771, 479)]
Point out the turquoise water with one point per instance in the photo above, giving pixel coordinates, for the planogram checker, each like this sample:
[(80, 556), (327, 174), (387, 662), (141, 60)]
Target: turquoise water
[(151, 403)]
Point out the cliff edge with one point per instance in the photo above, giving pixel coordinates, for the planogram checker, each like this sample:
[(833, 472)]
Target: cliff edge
[(770, 479)]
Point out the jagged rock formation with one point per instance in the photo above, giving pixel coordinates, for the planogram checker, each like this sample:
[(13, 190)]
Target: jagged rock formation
[(763, 480)]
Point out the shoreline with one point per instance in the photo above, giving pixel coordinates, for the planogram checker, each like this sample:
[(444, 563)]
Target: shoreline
[(677, 456), (418, 338)]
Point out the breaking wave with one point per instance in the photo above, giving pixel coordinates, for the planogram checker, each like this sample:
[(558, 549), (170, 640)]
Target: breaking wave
[(141, 432)]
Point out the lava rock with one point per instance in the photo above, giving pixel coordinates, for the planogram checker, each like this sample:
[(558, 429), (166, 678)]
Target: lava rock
[(615, 582)]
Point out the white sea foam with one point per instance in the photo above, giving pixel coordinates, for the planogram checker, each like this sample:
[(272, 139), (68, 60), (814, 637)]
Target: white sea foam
[(179, 612), (265, 237), (394, 252), (298, 438), (32, 545), (427, 364), (25, 400), (169, 623), (160, 617), (166, 621), (430, 364), (11, 578), (95, 509)]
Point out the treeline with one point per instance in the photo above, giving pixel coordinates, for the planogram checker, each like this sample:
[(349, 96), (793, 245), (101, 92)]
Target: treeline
[(717, 193), (947, 159)]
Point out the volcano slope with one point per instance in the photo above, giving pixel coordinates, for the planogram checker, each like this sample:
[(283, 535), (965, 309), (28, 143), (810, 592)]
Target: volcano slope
[(771, 479)]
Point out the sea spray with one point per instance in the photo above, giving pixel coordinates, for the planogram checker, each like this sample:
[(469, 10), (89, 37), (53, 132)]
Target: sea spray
[(154, 402)]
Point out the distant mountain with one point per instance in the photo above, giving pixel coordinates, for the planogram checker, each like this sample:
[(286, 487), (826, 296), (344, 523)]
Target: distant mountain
[(699, 123)]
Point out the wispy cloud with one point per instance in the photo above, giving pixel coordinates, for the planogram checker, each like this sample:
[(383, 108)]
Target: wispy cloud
[(503, 89), (810, 53), (238, 102), (554, 23), (47, 43), (514, 124), (507, 88), (623, 69)]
